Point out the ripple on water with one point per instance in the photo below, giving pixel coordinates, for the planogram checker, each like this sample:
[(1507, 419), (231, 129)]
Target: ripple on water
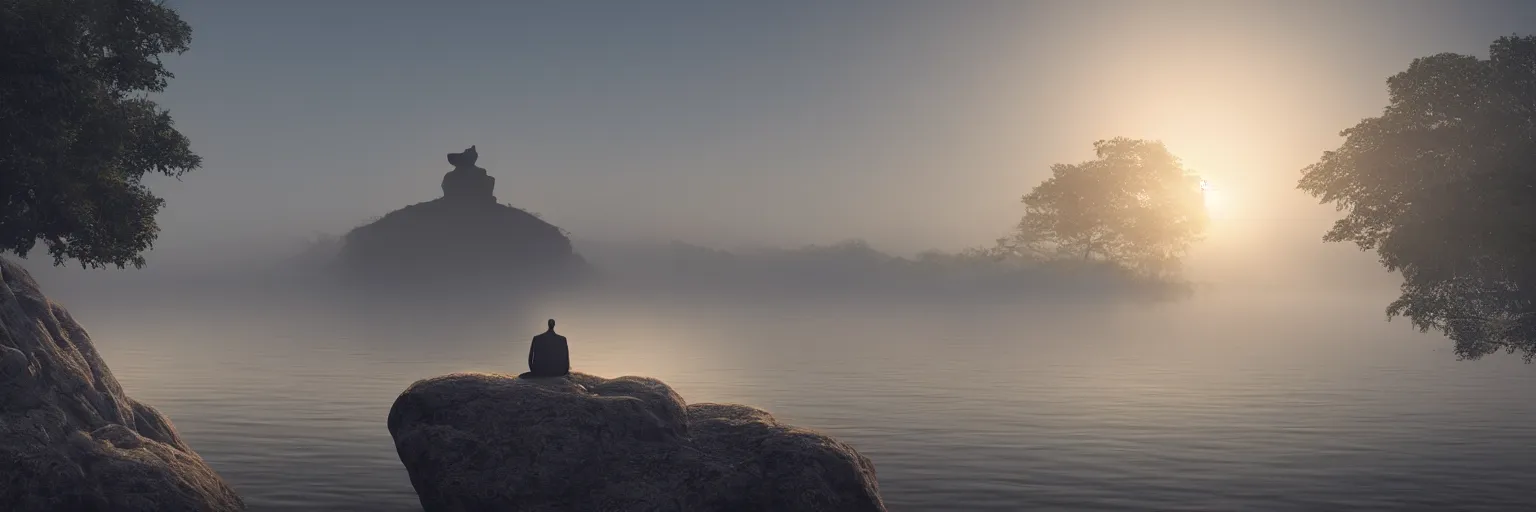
[(1196, 407)]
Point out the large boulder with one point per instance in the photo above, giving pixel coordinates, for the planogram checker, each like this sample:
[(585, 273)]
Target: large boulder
[(70, 439), (484, 442)]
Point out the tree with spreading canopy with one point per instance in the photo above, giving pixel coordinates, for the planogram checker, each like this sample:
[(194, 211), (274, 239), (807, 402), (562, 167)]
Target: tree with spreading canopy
[(77, 130), (1442, 186), (1135, 205)]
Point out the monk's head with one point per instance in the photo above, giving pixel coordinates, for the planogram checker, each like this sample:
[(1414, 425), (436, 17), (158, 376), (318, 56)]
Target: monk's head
[(551, 324)]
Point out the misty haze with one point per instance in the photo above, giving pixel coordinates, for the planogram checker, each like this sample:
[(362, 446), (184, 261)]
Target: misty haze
[(993, 255)]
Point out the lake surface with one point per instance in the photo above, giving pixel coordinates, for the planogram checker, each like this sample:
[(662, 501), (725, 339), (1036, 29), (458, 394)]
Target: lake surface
[(1228, 401)]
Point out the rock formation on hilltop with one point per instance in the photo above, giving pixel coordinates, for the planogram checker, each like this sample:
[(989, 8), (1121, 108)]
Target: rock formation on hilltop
[(476, 442), (467, 181), (70, 439), (463, 239)]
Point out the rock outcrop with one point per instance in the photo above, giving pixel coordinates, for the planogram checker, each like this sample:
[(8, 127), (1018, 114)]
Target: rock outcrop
[(467, 181), (482, 442), (70, 439), (465, 239)]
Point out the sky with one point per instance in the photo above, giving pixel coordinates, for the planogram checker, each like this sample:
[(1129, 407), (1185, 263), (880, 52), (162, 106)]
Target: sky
[(911, 124)]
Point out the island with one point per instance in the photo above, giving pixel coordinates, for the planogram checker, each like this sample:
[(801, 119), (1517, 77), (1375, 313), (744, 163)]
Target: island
[(463, 241)]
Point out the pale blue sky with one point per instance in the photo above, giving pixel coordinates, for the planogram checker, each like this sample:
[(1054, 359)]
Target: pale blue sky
[(911, 124)]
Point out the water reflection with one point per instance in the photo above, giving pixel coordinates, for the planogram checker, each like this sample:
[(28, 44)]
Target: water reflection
[(1243, 402)]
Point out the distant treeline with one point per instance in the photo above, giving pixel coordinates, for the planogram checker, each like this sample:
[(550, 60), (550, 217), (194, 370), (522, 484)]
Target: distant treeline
[(854, 267)]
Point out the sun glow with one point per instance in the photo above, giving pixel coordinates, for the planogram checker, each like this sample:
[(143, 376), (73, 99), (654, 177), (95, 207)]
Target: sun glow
[(1213, 199)]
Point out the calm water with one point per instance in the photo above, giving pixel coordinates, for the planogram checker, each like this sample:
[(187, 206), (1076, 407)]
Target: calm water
[(1225, 402)]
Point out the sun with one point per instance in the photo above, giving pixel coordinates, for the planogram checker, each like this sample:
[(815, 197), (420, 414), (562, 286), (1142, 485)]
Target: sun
[(1213, 199)]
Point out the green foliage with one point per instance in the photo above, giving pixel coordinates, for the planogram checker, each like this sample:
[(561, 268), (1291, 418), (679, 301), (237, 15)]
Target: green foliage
[(1135, 205), (1443, 186), (77, 130)]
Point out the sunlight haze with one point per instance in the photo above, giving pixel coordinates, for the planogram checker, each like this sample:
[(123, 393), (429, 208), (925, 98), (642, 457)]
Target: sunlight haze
[(803, 255), (913, 125)]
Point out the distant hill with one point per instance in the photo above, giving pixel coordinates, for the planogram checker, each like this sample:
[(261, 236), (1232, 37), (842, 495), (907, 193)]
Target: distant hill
[(463, 240)]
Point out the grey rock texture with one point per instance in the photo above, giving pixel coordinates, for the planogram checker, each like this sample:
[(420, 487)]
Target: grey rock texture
[(70, 438), (485, 442)]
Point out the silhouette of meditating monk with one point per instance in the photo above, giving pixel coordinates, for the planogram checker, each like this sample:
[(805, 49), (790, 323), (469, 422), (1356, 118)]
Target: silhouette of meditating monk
[(549, 356)]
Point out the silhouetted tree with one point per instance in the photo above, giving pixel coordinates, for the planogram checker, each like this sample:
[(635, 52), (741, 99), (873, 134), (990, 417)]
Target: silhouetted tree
[(1136, 205), (77, 134), (1443, 186)]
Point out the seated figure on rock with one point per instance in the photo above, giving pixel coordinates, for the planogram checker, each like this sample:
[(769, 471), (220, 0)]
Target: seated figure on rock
[(549, 356)]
